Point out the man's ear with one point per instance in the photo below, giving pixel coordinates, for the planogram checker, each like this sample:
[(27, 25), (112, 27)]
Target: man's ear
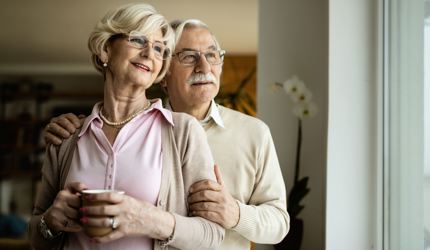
[(163, 85), (163, 82)]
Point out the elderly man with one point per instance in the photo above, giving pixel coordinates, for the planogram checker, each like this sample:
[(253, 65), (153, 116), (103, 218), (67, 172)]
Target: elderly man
[(249, 199)]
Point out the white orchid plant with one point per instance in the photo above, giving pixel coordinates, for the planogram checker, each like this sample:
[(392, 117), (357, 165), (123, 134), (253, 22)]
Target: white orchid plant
[(303, 107)]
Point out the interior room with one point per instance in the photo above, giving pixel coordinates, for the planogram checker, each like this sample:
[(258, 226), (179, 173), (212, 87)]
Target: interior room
[(355, 162)]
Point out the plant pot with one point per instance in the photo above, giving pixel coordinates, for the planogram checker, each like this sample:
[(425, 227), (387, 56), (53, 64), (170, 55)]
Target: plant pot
[(293, 240)]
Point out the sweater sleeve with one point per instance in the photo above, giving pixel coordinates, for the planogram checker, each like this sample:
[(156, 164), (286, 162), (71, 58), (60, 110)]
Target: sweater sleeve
[(265, 219), (44, 199), (196, 232)]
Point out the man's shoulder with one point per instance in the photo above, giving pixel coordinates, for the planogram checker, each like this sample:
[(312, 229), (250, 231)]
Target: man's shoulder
[(237, 119)]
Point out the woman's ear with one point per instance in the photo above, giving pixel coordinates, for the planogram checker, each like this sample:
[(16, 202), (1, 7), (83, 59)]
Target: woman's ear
[(104, 54)]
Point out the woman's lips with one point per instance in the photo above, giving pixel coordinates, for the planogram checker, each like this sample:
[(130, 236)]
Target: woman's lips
[(142, 66)]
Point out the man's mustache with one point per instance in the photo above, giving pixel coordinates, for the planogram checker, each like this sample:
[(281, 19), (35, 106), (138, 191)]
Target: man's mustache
[(199, 77)]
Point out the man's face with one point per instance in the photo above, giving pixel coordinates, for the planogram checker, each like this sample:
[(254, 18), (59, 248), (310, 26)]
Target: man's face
[(182, 93)]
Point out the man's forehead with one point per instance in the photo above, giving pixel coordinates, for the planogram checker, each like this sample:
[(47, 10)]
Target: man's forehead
[(196, 39)]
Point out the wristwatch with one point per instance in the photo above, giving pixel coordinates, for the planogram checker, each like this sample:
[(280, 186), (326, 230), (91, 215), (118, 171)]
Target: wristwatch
[(45, 231)]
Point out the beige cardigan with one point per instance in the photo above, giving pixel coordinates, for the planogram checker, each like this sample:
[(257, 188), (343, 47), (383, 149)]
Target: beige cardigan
[(186, 159)]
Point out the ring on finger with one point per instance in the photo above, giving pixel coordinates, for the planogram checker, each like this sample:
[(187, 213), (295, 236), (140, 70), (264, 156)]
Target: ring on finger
[(114, 223)]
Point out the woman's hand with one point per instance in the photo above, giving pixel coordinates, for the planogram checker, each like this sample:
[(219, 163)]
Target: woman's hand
[(63, 215), (62, 127), (133, 217)]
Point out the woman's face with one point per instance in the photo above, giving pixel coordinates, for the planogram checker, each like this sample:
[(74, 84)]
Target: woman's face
[(130, 65)]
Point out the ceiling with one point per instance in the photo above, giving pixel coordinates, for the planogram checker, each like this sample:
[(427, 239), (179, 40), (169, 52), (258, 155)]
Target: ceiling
[(50, 36)]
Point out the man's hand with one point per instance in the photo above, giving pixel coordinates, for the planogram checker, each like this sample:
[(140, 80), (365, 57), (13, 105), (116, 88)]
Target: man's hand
[(62, 127), (212, 201)]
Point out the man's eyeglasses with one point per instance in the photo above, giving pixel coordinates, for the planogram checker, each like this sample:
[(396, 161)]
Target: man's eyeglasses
[(142, 42), (192, 57)]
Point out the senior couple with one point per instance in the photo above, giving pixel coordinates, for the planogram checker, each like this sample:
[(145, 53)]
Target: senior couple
[(160, 156)]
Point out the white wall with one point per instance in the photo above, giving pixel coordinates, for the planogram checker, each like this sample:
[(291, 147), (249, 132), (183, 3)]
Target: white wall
[(352, 165), (293, 39)]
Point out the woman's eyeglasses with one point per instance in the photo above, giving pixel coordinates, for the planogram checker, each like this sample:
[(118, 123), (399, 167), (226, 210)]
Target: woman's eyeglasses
[(142, 42)]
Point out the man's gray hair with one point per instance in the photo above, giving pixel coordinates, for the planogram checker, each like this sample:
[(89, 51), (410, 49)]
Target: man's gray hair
[(179, 26)]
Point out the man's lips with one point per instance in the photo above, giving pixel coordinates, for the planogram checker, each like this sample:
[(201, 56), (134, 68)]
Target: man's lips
[(142, 66), (200, 83)]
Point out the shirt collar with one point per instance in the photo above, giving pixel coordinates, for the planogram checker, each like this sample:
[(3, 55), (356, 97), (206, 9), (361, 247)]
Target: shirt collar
[(213, 114), (156, 105)]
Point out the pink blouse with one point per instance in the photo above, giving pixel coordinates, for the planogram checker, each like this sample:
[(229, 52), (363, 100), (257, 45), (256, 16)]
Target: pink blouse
[(132, 164)]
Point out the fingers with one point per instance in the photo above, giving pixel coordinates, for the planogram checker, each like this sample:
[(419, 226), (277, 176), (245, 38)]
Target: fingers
[(206, 195), (65, 224), (110, 197), (100, 210), (61, 127), (71, 226), (68, 121), (67, 203), (92, 221), (205, 185), (58, 130), (218, 175), (204, 206), (75, 187)]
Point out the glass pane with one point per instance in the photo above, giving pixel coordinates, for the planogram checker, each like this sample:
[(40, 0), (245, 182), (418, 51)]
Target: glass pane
[(426, 191)]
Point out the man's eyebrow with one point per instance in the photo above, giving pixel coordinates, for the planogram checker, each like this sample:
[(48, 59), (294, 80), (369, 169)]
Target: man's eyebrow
[(212, 47), (188, 49)]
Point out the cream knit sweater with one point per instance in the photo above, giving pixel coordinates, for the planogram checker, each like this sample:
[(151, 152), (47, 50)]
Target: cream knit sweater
[(246, 155)]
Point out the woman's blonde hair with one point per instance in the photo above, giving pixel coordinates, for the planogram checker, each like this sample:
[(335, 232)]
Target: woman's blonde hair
[(124, 19)]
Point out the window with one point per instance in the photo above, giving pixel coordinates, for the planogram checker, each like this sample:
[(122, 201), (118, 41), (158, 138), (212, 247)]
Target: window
[(406, 123)]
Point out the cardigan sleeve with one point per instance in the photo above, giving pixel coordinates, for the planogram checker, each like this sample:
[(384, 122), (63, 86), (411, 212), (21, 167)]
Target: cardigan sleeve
[(44, 198), (265, 219), (54, 170), (196, 232)]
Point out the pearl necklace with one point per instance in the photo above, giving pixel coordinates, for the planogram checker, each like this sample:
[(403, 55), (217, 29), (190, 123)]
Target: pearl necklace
[(121, 123)]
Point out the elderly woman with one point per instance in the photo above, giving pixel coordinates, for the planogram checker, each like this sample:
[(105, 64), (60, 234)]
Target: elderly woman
[(128, 143)]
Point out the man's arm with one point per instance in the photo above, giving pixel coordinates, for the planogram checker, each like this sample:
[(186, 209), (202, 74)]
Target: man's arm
[(212, 201), (62, 127), (264, 219)]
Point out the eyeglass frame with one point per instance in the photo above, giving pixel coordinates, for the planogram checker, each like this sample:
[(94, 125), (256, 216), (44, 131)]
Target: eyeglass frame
[(133, 44), (220, 51)]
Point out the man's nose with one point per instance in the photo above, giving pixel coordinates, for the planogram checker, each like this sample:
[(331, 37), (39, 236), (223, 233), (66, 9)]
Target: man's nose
[(203, 65)]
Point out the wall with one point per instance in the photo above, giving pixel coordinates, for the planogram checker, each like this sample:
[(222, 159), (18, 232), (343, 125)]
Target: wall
[(293, 39), (353, 167)]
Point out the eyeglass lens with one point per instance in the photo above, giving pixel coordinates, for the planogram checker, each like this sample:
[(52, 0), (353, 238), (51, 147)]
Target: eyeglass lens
[(190, 57), (142, 42)]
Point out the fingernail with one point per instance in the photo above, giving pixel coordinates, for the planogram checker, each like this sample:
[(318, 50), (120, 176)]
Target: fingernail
[(84, 220), (92, 240), (83, 209)]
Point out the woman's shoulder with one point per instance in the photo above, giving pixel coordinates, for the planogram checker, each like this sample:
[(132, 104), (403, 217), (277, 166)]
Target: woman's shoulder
[(183, 119)]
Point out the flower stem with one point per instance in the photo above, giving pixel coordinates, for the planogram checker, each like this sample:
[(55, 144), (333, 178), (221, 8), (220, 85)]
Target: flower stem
[(299, 146)]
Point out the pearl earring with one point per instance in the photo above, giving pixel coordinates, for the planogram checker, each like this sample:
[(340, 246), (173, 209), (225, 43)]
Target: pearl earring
[(105, 65)]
